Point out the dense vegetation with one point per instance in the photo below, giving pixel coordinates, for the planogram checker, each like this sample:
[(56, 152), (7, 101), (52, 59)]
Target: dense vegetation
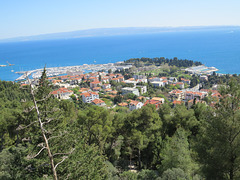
[(138, 62), (201, 142)]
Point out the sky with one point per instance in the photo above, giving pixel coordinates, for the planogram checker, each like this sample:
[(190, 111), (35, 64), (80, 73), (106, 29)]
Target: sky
[(31, 17)]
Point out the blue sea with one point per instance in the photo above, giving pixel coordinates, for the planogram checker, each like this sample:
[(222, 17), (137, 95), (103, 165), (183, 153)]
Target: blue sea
[(218, 48)]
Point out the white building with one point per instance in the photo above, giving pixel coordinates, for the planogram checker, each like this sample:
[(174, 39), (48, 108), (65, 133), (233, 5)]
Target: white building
[(89, 96), (158, 83), (143, 89), (62, 93), (106, 86), (135, 105), (127, 90)]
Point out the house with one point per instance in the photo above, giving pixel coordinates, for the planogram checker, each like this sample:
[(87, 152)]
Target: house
[(172, 80), (106, 86), (107, 90), (162, 100), (139, 77), (75, 80), (141, 98), (96, 89), (175, 102), (187, 81), (55, 81), (105, 79), (98, 102), (123, 104), (154, 102), (92, 79), (95, 84), (113, 92), (62, 93), (127, 90), (116, 80), (163, 78), (181, 85), (131, 81), (84, 90), (165, 82), (135, 105), (157, 83), (192, 95), (143, 89), (153, 79), (121, 78), (203, 78), (176, 95), (89, 96)]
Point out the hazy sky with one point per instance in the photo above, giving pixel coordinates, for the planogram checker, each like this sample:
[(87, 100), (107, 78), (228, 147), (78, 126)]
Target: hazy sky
[(33, 17)]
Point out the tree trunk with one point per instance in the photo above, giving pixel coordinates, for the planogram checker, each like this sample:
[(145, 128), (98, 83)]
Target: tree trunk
[(44, 137), (139, 159)]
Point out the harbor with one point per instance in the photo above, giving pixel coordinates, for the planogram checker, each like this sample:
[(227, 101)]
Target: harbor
[(55, 71)]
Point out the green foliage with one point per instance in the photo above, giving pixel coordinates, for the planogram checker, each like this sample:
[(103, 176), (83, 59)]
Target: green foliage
[(13, 165), (159, 61), (219, 139), (174, 174), (85, 162), (96, 124), (128, 175), (101, 143), (146, 174), (176, 153)]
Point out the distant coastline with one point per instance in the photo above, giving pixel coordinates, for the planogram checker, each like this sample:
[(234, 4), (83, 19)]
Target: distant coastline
[(115, 32)]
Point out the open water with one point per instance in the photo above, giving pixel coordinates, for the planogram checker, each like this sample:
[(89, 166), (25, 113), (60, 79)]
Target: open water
[(218, 48)]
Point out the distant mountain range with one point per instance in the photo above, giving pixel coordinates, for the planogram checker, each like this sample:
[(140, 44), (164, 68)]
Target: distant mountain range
[(116, 32)]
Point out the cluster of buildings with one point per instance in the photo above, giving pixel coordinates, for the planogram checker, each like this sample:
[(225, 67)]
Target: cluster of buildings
[(96, 86), (179, 96)]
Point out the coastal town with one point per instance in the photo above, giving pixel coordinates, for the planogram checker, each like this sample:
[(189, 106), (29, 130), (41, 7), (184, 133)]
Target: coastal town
[(125, 85)]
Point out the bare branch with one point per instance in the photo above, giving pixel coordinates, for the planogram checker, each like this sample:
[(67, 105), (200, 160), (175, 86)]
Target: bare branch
[(63, 159), (44, 99), (31, 157), (61, 134), (20, 127), (48, 120), (29, 109), (64, 153)]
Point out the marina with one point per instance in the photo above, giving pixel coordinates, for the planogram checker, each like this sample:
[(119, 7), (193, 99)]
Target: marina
[(55, 71)]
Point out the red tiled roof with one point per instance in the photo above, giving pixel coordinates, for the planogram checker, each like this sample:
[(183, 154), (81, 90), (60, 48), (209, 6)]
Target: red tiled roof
[(122, 104), (155, 102), (175, 92), (182, 79), (61, 91), (89, 94), (134, 102), (95, 82), (177, 102), (96, 88), (163, 77), (97, 101)]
